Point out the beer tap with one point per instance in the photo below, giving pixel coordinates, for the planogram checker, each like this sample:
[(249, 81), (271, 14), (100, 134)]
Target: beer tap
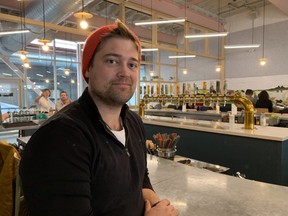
[(182, 99)]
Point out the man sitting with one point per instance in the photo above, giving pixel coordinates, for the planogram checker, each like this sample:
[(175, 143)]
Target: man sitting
[(64, 100)]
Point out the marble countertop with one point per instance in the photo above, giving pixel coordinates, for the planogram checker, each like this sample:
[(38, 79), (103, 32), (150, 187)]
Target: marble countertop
[(202, 192), (23, 140), (260, 132), (196, 191)]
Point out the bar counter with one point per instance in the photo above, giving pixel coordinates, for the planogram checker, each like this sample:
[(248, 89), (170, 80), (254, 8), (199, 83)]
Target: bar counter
[(261, 154), (260, 132), (196, 191), (23, 129), (202, 192)]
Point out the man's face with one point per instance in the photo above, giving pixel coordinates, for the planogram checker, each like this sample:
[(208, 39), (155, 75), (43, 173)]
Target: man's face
[(114, 73), (63, 96), (46, 93)]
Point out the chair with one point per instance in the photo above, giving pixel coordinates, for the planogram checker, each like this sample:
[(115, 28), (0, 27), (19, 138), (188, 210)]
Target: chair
[(261, 110), (10, 188)]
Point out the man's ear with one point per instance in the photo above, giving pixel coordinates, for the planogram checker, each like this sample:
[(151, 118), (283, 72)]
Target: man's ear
[(87, 73)]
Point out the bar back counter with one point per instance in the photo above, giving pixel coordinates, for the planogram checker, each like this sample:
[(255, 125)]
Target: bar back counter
[(261, 154)]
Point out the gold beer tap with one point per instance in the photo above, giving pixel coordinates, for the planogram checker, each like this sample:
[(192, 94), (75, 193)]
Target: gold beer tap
[(181, 99), (248, 110)]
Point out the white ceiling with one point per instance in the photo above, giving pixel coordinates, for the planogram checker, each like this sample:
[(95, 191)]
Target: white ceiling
[(203, 13)]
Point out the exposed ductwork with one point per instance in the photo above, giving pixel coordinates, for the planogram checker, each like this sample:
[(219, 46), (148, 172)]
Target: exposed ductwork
[(37, 59), (56, 11)]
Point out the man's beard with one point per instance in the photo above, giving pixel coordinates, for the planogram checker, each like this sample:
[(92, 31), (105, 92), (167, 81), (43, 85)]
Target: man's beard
[(114, 96)]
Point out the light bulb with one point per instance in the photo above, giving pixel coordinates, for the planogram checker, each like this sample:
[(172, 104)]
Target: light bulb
[(72, 81), (263, 61), (184, 71), (26, 64), (66, 71), (218, 68), (151, 73), (83, 24), (47, 81), (23, 56), (45, 47)]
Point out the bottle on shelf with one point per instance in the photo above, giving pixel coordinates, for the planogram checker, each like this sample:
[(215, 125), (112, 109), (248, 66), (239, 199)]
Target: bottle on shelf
[(262, 119), (231, 119)]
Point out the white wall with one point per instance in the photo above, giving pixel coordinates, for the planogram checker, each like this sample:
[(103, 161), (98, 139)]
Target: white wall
[(242, 69)]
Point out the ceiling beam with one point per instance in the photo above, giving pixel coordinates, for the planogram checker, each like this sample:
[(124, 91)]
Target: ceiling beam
[(17, 19), (199, 21), (96, 19), (281, 5)]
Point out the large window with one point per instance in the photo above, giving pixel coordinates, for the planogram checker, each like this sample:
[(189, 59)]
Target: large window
[(55, 70)]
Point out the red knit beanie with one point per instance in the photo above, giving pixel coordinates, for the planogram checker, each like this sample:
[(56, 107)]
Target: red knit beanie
[(92, 43)]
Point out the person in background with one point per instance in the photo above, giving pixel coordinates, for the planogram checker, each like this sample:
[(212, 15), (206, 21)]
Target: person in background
[(264, 101), (249, 94), (43, 102), (5, 116), (64, 100), (90, 159)]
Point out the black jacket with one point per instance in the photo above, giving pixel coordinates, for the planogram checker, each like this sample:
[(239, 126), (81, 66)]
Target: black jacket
[(73, 164), (264, 104)]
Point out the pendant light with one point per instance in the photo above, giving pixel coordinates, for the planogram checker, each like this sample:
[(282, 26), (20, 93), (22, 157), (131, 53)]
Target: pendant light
[(160, 21), (210, 34), (218, 67), (251, 46), (263, 60), (151, 48), (23, 53), (66, 69), (185, 70), (153, 41), (185, 56), (26, 63), (83, 16), (44, 41)]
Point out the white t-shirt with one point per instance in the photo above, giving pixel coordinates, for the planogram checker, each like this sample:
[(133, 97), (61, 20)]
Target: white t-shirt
[(59, 105), (43, 104), (120, 135)]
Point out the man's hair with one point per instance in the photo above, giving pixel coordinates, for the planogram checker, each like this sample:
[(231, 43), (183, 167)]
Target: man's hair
[(46, 89), (249, 92), (63, 92)]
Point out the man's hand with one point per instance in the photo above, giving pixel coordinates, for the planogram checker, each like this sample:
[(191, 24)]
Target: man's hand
[(162, 208)]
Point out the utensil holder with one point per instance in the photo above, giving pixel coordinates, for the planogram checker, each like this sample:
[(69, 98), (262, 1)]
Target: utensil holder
[(167, 153)]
